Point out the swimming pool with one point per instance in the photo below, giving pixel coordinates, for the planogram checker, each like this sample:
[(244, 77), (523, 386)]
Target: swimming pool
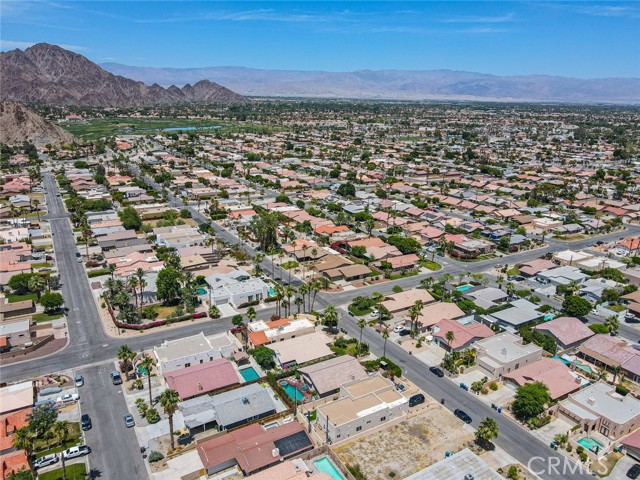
[(464, 288), (324, 465), (142, 371), (272, 292), (249, 374), (583, 366), (590, 443), (201, 291), (292, 392)]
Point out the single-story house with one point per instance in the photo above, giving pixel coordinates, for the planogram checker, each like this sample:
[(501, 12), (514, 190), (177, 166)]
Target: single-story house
[(193, 350), (299, 350), (464, 333), (327, 377), (501, 354), (436, 312), (568, 332), (552, 372), (201, 379), (399, 302)]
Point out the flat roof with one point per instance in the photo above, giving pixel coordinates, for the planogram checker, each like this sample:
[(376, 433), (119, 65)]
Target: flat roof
[(602, 398), (455, 467), (506, 347), (179, 348)]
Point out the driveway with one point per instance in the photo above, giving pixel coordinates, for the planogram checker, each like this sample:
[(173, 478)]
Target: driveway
[(622, 467)]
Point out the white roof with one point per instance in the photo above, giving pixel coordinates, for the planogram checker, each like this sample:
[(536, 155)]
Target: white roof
[(456, 467)]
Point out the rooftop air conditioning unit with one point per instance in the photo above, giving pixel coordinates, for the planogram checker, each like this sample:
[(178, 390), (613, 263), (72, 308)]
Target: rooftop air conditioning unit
[(275, 452)]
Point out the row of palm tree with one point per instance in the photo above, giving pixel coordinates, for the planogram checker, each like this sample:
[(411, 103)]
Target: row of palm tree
[(304, 297), (24, 438)]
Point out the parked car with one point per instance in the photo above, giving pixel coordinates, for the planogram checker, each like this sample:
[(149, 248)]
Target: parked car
[(46, 460), (129, 421), (436, 371), (629, 316), (462, 415), (68, 398), (184, 439), (116, 378), (398, 328), (634, 471), (374, 314), (404, 332), (79, 381), (416, 399), (85, 422), (74, 452)]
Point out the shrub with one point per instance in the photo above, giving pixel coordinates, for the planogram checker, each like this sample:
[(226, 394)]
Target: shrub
[(155, 456), (152, 415), (620, 390), (484, 391), (583, 457), (579, 449), (143, 408), (356, 471), (493, 386), (512, 473), (569, 448)]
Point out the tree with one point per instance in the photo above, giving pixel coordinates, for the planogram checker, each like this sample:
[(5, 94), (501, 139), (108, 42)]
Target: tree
[(450, 337), (130, 218), (576, 306), (147, 365), (487, 431), (169, 401), (36, 284), (60, 431), (385, 337), (264, 227), (51, 301), (612, 323), (20, 283), (331, 317), (264, 356), (251, 314), (168, 284), (23, 440), (346, 189), (361, 324), (530, 400), (414, 313)]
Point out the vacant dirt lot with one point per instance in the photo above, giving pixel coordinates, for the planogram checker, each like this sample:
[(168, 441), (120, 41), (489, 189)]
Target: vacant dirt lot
[(409, 447)]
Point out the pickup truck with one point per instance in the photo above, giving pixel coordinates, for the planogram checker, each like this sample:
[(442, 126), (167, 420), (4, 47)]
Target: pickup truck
[(68, 398), (77, 451)]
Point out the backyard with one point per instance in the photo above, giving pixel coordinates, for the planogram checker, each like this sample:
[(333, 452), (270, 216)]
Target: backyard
[(404, 449)]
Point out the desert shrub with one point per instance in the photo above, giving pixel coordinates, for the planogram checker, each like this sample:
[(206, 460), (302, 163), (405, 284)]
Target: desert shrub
[(155, 456), (152, 415)]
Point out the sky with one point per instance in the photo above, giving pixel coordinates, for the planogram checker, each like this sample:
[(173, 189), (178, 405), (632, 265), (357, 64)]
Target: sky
[(578, 39)]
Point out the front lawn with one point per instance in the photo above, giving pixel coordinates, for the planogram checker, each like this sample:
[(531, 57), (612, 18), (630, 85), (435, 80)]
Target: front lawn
[(513, 271), (46, 317), (14, 297), (41, 265), (45, 446), (357, 312), (609, 461), (77, 471), (616, 308), (430, 265)]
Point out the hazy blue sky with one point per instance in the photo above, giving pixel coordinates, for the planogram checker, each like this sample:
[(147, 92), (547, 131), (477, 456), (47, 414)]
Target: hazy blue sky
[(594, 39)]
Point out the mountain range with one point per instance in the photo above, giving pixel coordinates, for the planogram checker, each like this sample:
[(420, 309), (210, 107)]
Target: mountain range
[(19, 124), (397, 84), (48, 74)]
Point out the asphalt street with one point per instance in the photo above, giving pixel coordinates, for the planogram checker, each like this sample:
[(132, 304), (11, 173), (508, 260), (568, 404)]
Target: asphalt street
[(92, 350)]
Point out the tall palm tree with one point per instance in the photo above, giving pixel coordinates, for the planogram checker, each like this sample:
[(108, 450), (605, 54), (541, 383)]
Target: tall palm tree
[(251, 314), (125, 353), (23, 440), (147, 364), (385, 337), (314, 287), (361, 324), (331, 316), (112, 268), (414, 313), (303, 290), (487, 430), (60, 431), (36, 284), (169, 401), (450, 337), (298, 303), (36, 202), (289, 291), (612, 323), (141, 283), (132, 283)]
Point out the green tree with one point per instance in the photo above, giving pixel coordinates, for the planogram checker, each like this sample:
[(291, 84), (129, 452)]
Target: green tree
[(530, 400), (264, 356), (51, 301), (20, 283), (612, 323), (130, 218), (169, 402), (487, 431), (361, 324), (385, 337), (36, 284), (450, 337), (125, 353), (576, 306), (168, 284), (264, 227), (331, 317), (146, 364), (60, 431), (346, 189)]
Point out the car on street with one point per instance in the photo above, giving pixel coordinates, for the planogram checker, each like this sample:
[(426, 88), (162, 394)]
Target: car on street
[(68, 398), (79, 381), (436, 371), (116, 378), (129, 421), (46, 460), (398, 328), (461, 414), (85, 422), (77, 451), (634, 471)]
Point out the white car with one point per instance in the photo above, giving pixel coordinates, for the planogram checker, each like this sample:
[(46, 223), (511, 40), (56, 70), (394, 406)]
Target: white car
[(77, 451), (375, 314), (398, 328), (46, 460), (68, 398)]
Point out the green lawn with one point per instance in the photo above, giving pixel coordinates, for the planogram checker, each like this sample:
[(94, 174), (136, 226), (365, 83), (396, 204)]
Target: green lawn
[(77, 471), (430, 265), (403, 275), (12, 297), (98, 273), (357, 312), (616, 308), (46, 317), (45, 446), (41, 265), (513, 271)]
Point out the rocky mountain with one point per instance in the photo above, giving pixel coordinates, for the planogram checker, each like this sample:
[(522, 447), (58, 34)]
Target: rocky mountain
[(18, 123), (51, 75), (398, 84)]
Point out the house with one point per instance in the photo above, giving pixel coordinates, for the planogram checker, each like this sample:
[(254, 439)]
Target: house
[(327, 377), (227, 410), (598, 408), (570, 258), (193, 350), (631, 443), (568, 332), (252, 448), (9, 423), (201, 379), (178, 236), (348, 273), (500, 354), (17, 397), (561, 276), (363, 404), (463, 465), (534, 267), (299, 350), (236, 287), (401, 301), (465, 333), (487, 297), (12, 463), (432, 314), (471, 248), (552, 372), (14, 310), (262, 333), (16, 333), (520, 313), (612, 353)]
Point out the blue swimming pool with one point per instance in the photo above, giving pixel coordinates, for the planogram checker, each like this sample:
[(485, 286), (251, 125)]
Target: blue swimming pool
[(324, 465), (272, 292), (249, 374), (590, 444), (201, 291), (464, 288), (292, 392)]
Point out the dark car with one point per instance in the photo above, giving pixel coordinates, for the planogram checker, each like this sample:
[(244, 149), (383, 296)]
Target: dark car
[(634, 471), (462, 415), (116, 378), (404, 333), (436, 371), (85, 421), (185, 439), (416, 399)]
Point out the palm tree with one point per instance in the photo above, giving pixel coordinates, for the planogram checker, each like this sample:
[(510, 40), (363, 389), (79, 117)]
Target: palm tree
[(450, 336), (147, 364), (361, 324), (169, 401), (616, 372), (414, 313), (112, 268), (251, 314), (487, 430), (289, 291), (303, 290), (132, 283), (141, 283), (23, 440), (86, 236), (125, 353), (331, 316), (314, 287), (36, 284), (385, 337), (60, 431), (298, 303), (36, 202), (612, 323)]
